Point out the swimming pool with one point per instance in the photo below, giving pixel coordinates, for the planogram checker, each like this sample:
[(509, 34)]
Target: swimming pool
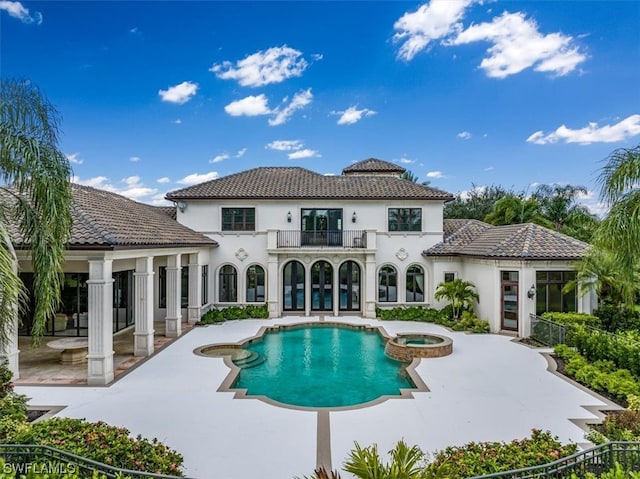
[(321, 365)]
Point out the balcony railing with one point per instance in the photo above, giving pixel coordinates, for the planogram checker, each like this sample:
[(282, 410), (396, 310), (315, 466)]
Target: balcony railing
[(322, 239)]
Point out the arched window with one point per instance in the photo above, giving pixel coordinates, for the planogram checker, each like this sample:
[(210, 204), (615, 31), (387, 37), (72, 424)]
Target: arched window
[(255, 284), (228, 292), (415, 284), (387, 285)]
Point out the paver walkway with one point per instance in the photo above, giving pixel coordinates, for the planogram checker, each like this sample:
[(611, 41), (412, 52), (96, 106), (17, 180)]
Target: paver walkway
[(490, 388)]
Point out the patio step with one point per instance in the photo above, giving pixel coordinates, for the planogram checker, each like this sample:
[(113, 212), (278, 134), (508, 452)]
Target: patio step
[(250, 361)]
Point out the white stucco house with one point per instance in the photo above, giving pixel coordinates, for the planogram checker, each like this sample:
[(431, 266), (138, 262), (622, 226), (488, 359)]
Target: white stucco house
[(300, 242)]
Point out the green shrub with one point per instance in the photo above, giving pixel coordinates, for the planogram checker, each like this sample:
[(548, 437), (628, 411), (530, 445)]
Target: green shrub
[(618, 472), (572, 319), (214, 316), (13, 406), (103, 443), (615, 318), (476, 459), (621, 348), (468, 322)]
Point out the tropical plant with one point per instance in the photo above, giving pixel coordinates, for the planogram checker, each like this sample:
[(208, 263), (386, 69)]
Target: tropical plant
[(619, 231), (410, 176), (514, 209), (476, 203), (559, 204), (459, 293), (406, 462), (36, 196)]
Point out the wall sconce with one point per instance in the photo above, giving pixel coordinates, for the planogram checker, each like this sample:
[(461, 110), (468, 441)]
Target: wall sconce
[(181, 206), (289, 217), (532, 291), (354, 217)]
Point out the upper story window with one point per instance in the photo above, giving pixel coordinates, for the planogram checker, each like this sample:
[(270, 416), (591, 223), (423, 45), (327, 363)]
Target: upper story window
[(238, 219), (405, 219)]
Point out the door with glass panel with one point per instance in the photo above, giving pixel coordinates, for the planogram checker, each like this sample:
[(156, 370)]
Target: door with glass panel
[(293, 286), (349, 286), (321, 227), (509, 300), (321, 286)]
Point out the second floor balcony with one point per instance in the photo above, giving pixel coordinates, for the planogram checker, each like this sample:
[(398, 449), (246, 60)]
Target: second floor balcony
[(322, 239)]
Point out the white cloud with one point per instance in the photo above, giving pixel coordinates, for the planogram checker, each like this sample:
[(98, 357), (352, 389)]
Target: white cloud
[(180, 93), (464, 135), (352, 115), (249, 106), (219, 158), (177, 121), (306, 153), (518, 44), (134, 159), (592, 133), (406, 161), (435, 174), (196, 178), (17, 10), (164, 180), (241, 153), (264, 67), (159, 200), (431, 21), (489, 168), (284, 145), (299, 100), (73, 158), (133, 188)]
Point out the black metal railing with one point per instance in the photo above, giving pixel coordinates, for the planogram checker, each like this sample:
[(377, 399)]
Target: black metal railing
[(595, 460), (35, 458), (322, 239)]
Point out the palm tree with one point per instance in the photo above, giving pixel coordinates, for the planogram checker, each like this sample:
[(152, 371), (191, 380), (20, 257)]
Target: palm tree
[(476, 203), (406, 463), (36, 195), (513, 209), (559, 204), (620, 229), (459, 293)]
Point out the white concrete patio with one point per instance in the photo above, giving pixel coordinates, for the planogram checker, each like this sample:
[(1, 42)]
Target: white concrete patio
[(490, 388)]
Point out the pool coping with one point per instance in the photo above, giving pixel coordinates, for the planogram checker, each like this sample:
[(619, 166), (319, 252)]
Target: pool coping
[(241, 393)]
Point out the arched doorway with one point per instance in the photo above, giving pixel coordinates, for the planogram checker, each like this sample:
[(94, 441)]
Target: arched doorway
[(321, 286), (350, 287), (293, 286)]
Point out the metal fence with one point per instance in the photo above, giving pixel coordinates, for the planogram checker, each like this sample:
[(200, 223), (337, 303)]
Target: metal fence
[(595, 460), (322, 239), (25, 458)]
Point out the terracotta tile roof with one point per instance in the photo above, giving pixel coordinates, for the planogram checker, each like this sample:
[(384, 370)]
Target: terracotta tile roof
[(170, 211), (104, 220), (299, 183), (524, 241), (373, 165)]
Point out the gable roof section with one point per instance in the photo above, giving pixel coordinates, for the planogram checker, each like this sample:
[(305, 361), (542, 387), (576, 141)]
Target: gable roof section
[(373, 165), (476, 239), (299, 183), (104, 220)]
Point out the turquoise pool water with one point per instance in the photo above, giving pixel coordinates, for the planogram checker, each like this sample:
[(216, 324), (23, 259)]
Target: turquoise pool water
[(322, 366)]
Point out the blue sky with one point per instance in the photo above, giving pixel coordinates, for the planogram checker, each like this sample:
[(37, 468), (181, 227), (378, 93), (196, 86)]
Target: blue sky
[(157, 95)]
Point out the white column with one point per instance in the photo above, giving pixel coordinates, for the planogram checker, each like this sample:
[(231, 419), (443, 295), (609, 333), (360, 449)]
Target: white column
[(195, 289), (273, 286), (173, 320), (370, 286), (100, 357), (9, 351), (143, 334)]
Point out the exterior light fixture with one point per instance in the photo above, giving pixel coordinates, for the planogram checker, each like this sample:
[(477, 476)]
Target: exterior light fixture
[(532, 291), (289, 217), (181, 206), (354, 217)]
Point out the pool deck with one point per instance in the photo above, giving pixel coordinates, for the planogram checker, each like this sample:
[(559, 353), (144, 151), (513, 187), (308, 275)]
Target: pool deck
[(490, 389)]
